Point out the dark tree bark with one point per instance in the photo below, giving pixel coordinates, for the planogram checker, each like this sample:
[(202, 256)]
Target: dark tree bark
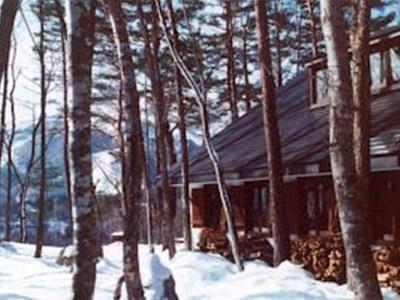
[(66, 158), (314, 38), (275, 167), (25, 183), (278, 29), (200, 100), (43, 96), (359, 262), (8, 12), (81, 20), (361, 80), (187, 235), (134, 156), (9, 169), (231, 68), (151, 46), (7, 211), (247, 87)]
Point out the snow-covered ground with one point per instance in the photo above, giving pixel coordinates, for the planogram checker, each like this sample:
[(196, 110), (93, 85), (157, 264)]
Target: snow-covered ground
[(197, 276)]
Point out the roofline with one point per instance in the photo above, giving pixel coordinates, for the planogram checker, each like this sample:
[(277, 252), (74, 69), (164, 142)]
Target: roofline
[(287, 178)]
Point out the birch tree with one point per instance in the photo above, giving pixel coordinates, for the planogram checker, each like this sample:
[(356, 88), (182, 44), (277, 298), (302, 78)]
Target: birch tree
[(133, 169), (222, 188), (81, 19), (187, 235), (360, 265), (152, 43), (275, 168)]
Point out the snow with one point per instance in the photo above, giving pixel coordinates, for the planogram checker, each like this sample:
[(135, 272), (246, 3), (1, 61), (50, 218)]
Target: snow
[(197, 276)]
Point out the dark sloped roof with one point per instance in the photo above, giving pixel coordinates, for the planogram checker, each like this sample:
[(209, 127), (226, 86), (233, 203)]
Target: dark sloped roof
[(304, 135)]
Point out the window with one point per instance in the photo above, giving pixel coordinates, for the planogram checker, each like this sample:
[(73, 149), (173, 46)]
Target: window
[(384, 162), (377, 69), (385, 70), (322, 86), (395, 60), (319, 87)]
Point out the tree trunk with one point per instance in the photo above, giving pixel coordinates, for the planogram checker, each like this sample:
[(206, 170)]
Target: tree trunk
[(231, 68), (7, 18), (81, 19), (187, 234), (134, 156), (361, 80), (151, 45), (222, 188), (275, 168), (7, 231), (43, 96), (359, 262), (314, 38), (247, 86), (9, 150), (66, 159), (278, 29)]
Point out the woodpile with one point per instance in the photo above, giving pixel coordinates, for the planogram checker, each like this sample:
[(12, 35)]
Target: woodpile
[(387, 259), (322, 257), (252, 246), (325, 258)]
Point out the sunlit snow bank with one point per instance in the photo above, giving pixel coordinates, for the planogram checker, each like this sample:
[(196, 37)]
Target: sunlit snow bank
[(197, 276)]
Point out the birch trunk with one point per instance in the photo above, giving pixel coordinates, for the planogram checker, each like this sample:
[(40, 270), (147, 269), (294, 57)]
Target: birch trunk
[(222, 188), (275, 168), (360, 265), (80, 16), (134, 156)]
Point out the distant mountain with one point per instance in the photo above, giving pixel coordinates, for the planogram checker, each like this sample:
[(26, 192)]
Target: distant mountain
[(106, 171)]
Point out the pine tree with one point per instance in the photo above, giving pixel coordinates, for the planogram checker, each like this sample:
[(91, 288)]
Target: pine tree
[(7, 18), (133, 158), (275, 167)]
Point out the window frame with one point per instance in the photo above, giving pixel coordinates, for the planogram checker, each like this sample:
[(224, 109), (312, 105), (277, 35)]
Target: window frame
[(389, 83)]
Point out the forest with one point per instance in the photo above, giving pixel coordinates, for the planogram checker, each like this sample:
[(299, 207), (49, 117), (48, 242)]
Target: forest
[(199, 149)]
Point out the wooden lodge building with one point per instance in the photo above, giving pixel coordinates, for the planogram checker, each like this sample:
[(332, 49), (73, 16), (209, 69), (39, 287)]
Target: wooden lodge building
[(303, 123)]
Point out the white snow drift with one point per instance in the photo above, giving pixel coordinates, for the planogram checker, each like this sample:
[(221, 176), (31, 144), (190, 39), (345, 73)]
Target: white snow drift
[(197, 276)]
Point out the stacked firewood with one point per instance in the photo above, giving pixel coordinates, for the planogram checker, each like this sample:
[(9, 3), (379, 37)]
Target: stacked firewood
[(325, 258), (252, 246), (387, 259), (322, 257)]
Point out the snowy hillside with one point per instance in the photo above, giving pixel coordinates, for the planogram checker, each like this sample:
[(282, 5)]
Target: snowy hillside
[(106, 173), (197, 275)]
